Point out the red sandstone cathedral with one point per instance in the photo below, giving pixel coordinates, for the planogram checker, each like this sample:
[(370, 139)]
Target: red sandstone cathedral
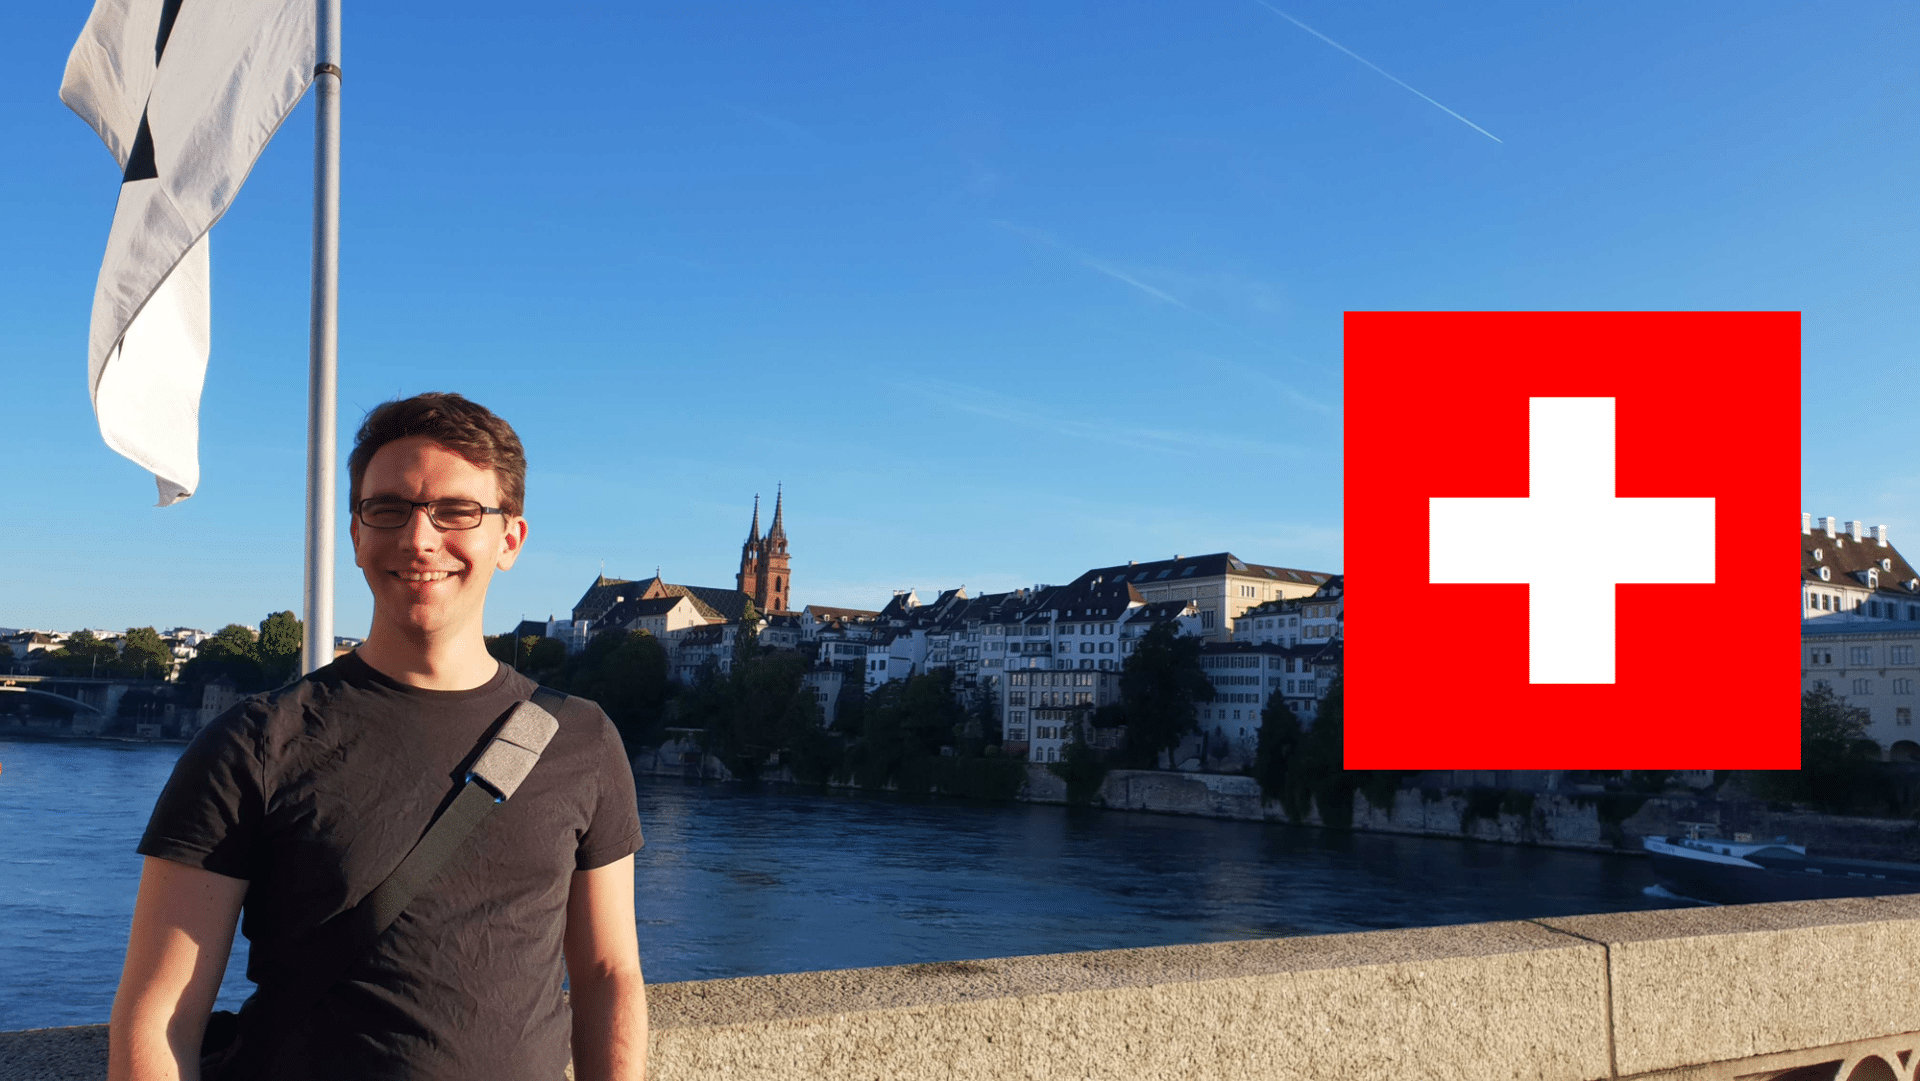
[(763, 563)]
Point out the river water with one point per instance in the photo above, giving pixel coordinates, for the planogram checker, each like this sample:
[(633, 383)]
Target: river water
[(740, 883)]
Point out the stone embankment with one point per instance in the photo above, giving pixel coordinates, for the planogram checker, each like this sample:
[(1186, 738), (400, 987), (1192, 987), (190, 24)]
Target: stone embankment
[(1590, 821), (1594, 821)]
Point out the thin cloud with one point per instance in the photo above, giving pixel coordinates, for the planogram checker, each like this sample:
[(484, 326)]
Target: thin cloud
[(1099, 266), (1382, 71), (1117, 274)]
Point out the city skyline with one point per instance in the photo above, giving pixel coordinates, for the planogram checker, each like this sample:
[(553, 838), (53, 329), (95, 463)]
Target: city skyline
[(997, 294)]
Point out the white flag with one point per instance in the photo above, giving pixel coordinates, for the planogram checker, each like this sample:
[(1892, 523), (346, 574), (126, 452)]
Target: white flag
[(185, 93)]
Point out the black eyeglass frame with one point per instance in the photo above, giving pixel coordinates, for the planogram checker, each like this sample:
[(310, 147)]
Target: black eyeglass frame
[(360, 512)]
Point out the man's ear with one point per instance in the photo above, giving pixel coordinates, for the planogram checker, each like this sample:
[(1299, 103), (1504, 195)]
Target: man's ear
[(510, 542)]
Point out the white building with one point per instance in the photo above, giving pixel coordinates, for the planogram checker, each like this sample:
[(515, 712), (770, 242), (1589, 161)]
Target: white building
[(1850, 573), (1872, 666), (1311, 620)]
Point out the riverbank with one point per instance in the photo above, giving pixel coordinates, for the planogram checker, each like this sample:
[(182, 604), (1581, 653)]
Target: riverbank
[(55, 735), (1612, 822)]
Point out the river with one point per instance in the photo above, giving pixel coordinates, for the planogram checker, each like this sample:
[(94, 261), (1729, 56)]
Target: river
[(738, 883)]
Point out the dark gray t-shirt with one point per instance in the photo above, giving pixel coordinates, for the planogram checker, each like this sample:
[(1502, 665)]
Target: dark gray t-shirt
[(314, 792)]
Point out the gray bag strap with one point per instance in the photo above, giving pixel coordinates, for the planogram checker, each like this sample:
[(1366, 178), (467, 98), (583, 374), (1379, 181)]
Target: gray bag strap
[(512, 748)]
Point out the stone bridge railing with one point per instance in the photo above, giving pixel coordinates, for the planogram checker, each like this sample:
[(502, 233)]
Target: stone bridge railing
[(1806, 991)]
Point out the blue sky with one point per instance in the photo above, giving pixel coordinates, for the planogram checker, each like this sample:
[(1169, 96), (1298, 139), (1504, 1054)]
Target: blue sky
[(999, 291)]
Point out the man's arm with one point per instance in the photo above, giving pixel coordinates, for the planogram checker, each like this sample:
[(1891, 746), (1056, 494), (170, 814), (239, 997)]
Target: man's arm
[(603, 974), (176, 953)]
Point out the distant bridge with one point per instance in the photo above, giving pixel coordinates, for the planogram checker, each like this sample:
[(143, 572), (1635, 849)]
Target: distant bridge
[(6, 687)]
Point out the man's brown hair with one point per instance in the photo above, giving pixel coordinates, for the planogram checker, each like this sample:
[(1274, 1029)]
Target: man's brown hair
[(466, 428)]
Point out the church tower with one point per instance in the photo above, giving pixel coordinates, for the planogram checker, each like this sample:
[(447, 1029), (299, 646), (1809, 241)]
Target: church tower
[(776, 581), (752, 558)]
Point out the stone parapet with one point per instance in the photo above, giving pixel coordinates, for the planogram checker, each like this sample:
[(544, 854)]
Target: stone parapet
[(1812, 991)]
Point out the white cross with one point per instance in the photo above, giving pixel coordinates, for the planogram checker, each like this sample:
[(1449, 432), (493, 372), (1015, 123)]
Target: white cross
[(1571, 540)]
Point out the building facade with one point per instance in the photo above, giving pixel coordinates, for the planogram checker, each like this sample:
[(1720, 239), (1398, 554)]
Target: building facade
[(1873, 667)]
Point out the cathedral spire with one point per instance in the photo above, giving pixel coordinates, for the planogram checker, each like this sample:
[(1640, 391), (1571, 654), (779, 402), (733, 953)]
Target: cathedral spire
[(754, 533), (777, 531)]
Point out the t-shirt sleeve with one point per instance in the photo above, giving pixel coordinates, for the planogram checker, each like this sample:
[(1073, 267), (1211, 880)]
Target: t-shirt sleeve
[(209, 814), (614, 831)]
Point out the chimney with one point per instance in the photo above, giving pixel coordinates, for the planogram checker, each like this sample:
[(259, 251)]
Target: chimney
[(1880, 535), (1853, 530), (1827, 524), (1806, 522)]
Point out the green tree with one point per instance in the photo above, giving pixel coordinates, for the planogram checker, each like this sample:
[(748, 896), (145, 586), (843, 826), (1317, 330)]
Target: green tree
[(1279, 740), (1161, 686), (229, 652), (278, 648), (545, 654), (1301, 767), (1838, 765), (983, 720), (1333, 784), (1080, 766), (746, 636), (145, 655), (624, 671), (756, 710), (84, 654)]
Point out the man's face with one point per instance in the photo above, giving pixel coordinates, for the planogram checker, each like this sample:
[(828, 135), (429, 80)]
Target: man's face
[(425, 580)]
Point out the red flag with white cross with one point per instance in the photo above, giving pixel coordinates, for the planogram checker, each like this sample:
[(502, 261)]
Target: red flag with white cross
[(1571, 540)]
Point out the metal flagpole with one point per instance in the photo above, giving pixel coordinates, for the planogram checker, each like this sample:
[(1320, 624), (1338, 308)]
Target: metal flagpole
[(323, 350)]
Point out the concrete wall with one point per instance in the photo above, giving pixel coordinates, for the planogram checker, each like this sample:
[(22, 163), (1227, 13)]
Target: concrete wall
[(1829, 989), (1553, 819)]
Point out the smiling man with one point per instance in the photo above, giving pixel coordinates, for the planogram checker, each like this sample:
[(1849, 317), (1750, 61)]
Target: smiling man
[(296, 803)]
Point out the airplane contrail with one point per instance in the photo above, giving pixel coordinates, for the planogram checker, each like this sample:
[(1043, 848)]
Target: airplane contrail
[(1383, 71)]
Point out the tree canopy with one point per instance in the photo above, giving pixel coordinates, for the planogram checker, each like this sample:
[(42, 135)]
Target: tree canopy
[(145, 654), (278, 648), (1161, 687)]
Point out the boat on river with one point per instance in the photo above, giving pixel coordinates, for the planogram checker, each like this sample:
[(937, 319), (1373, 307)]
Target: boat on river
[(1744, 871)]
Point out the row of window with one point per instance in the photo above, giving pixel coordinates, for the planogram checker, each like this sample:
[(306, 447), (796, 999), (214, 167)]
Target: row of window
[(1050, 679), (1053, 698), (1899, 686), (1833, 602), (1278, 664), (1858, 656)]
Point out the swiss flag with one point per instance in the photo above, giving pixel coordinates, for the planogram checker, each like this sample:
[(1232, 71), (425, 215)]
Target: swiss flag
[(1572, 540)]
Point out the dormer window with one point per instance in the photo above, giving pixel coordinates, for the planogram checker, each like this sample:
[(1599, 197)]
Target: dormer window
[(1886, 565), (1819, 554), (1825, 575)]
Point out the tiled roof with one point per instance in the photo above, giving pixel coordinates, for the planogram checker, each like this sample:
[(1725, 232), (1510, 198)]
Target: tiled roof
[(1847, 562), (1157, 612), (599, 596), (727, 603), (1207, 566), (823, 612)]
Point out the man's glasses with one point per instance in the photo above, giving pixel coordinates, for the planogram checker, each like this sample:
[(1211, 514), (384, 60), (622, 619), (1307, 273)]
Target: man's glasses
[(386, 512)]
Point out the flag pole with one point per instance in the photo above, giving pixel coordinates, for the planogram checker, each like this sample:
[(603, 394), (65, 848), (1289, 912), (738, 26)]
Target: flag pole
[(323, 346)]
